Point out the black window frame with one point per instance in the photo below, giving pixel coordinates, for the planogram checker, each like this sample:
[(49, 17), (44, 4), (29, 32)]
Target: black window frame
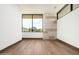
[(71, 9)]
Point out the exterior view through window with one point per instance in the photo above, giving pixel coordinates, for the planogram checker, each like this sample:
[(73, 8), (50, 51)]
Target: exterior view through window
[(32, 22)]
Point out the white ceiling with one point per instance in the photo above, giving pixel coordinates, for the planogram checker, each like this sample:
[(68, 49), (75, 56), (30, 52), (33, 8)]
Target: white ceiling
[(40, 8)]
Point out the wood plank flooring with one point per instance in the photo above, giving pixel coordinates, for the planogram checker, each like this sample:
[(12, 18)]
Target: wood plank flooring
[(40, 47)]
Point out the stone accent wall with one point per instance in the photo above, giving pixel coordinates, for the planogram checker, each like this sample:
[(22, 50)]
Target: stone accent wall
[(49, 26)]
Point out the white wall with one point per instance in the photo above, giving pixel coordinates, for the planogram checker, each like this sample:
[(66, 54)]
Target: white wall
[(10, 25), (68, 28), (40, 8), (32, 35)]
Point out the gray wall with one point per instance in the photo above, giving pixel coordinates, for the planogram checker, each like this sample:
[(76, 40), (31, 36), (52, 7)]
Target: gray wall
[(49, 26)]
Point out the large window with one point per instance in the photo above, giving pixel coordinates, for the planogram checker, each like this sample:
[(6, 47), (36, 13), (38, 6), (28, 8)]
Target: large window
[(32, 22)]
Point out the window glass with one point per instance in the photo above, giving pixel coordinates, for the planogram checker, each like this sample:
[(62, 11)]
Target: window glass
[(32, 23), (27, 23), (37, 23)]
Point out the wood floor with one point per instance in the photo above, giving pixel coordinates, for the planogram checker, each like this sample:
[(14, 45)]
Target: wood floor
[(40, 47)]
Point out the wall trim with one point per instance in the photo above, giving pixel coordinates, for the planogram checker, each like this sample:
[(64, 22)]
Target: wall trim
[(10, 45), (68, 44)]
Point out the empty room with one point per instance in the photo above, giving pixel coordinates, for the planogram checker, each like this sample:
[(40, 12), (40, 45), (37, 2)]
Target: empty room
[(39, 29)]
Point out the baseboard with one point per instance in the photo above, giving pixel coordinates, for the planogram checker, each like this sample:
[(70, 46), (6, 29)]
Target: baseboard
[(10, 45), (33, 38), (68, 44)]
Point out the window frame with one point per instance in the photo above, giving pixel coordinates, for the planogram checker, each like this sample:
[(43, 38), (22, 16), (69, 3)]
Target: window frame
[(63, 9), (32, 21), (72, 7)]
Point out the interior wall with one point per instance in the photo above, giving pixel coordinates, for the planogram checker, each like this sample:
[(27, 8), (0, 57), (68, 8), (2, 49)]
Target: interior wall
[(10, 25), (32, 35), (68, 28), (48, 11), (49, 26)]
